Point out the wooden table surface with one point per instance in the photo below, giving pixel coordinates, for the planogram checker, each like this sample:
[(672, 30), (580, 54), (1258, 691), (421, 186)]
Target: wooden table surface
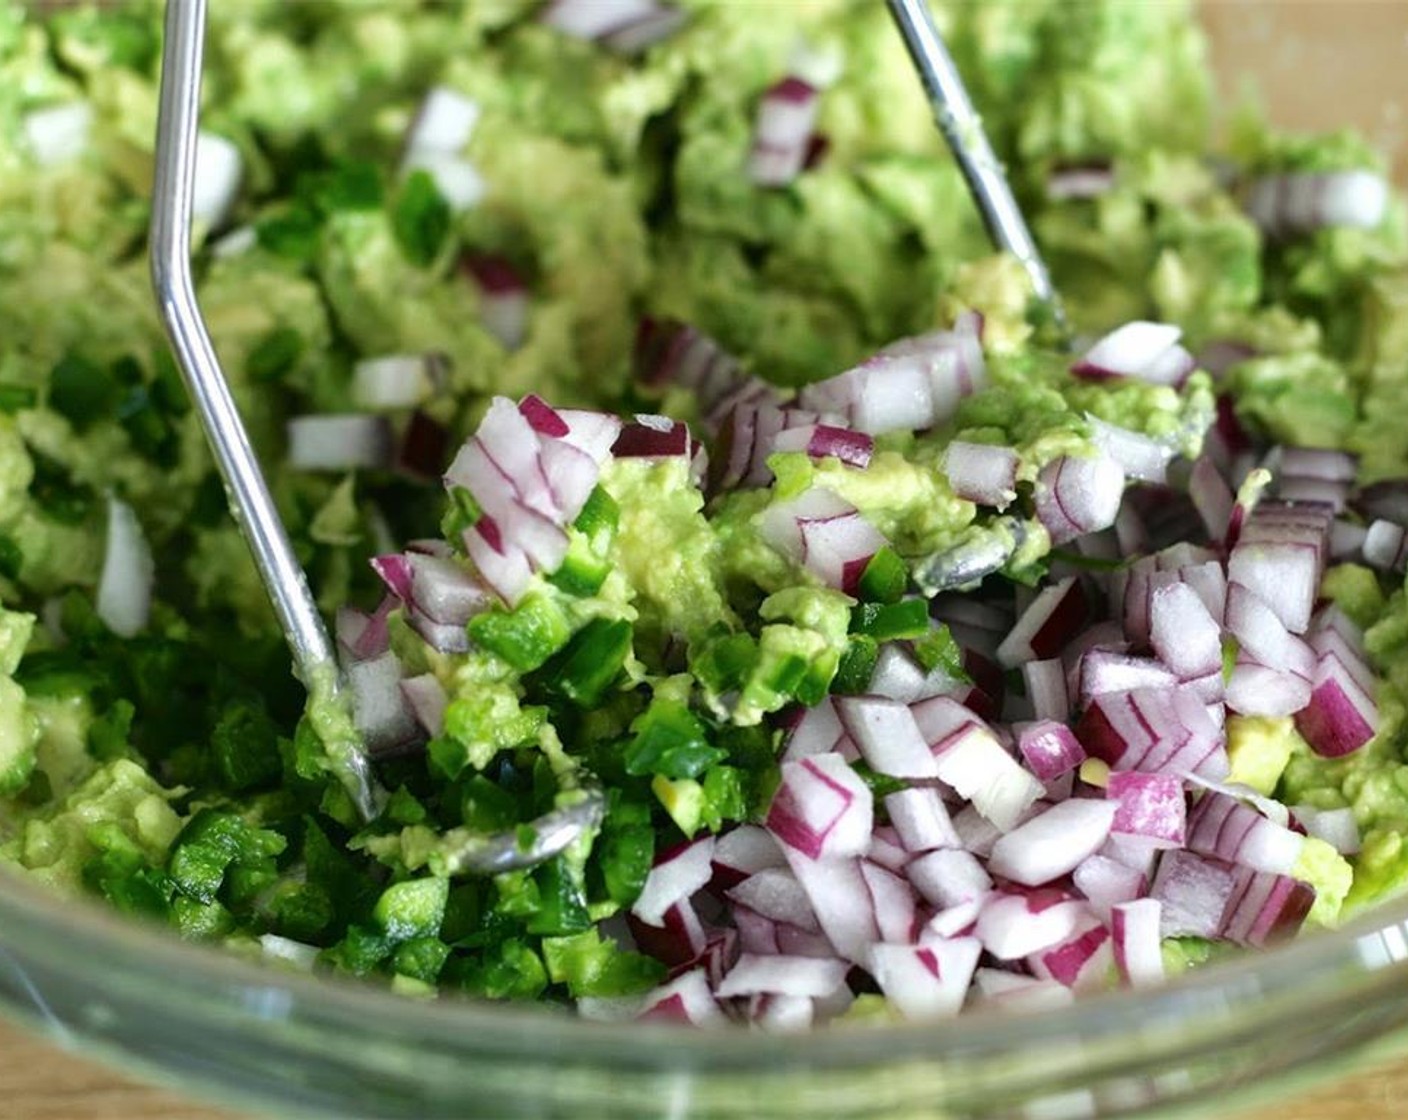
[(40, 1082)]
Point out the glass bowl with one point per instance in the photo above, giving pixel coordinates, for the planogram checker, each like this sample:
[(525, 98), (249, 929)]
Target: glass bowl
[(254, 1036), (257, 1037)]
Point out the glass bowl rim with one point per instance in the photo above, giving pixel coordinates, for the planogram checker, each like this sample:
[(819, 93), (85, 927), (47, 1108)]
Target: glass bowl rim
[(36, 910)]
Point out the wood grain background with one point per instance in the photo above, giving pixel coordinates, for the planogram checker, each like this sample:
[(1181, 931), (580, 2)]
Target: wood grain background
[(1321, 64)]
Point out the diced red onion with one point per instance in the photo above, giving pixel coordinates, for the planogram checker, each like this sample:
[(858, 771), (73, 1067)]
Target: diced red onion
[(793, 976), (650, 28), (501, 466), (823, 533), (752, 432), (439, 636), (1210, 582), (782, 132), (1148, 351), (888, 737), (910, 385), (1184, 554), (1139, 456), (899, 677), (1046, 688), (426, 698), (421, 451), (841, 901), (1153, 731), (1138, 945), (954, 921), (822, 441), (443, 124), (590, 431), (1314, 491), (1292, 204), (821, 809), (379, 708), (949, 877), (795, 942), (504, 567), (982, 473), (543, 418), (977, 833), (1106, 882), (1224, 827), (1149, 805), (743, 851), (886, 393), (1081, 962), (1052, 843), (1384, 546), (1049, 749), (1212, 497), (1130, 531), (925, 981), (1347, 540), (775, 893), (1266, 908), (219, 170), (1047, 625), (1079, 182), (1105, 671), (818, 731), (687, 999), (1253, 689), (338, 442), (887, 850), (681, 941), (672, 353), (673, 879), (1386, 500), (1015, 992), (921, 820), (361, 636), (1350, 654), (124, 596), (972, 762), (57, 134), (1078, 496), (756, 934), (892, 900), (653, 437), (1184, 635), (1014, 925), (1284, 573), (1194, 892), (779, 1014), (503, 297), (444, 591), (1337, 827), (1341, 715), (397, 380)]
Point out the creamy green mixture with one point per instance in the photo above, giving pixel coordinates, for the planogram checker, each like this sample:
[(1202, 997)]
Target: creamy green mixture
[(169, 770)]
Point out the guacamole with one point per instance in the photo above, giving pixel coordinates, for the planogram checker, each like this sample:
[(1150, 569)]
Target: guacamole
[(497, 241)]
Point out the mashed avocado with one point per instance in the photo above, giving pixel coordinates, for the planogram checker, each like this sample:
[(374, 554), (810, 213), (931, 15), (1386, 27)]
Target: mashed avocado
[(663, 635)]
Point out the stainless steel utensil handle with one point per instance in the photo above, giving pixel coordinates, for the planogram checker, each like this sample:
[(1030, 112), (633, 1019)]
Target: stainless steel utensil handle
[(963, 130), (172, 193), (175, 292)]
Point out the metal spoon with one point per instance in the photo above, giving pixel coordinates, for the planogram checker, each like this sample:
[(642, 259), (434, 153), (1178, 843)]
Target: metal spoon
[(962, 128), (245, 487)]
